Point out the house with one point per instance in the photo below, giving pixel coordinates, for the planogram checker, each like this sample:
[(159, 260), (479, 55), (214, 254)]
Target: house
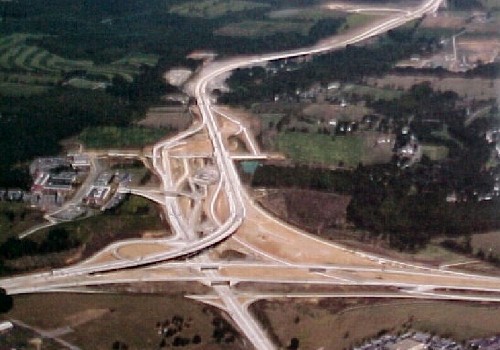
[(6, 326), (333, 86), (80, 161), (97, 196), (103, 179), (15, 195)]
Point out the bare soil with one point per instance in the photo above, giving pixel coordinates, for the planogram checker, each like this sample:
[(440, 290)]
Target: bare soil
[(312, 210)]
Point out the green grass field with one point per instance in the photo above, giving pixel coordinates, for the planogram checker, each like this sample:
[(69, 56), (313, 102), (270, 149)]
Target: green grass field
[(214, 8), (376, 93), (319, 148), (356, 20), (115, 137)]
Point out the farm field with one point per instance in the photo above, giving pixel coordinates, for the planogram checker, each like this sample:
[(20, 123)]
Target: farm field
[(336, 324), (97, 321)]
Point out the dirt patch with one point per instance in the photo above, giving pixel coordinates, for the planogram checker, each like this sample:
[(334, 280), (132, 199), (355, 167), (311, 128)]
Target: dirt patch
[(231, 255), (140, 250)]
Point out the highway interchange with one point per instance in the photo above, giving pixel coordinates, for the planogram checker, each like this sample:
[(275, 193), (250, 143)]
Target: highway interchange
[(209, 211)]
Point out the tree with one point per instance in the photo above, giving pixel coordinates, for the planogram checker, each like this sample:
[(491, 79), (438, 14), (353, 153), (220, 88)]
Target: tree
[(6, 302), (196, 339), (294, 344)]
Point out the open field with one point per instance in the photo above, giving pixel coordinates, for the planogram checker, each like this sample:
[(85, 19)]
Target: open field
[(97, 321), (319, 148), (214, 8), (487, 242), (355, 20), (476, 88), (374, 92), (326, 111), (435, 152), (313, 13), (176, 118), (332, 150), (338, 324), (252, 29), (116, 137)]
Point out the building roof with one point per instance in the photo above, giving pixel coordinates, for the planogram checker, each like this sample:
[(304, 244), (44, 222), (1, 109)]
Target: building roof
[(407, 344)]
